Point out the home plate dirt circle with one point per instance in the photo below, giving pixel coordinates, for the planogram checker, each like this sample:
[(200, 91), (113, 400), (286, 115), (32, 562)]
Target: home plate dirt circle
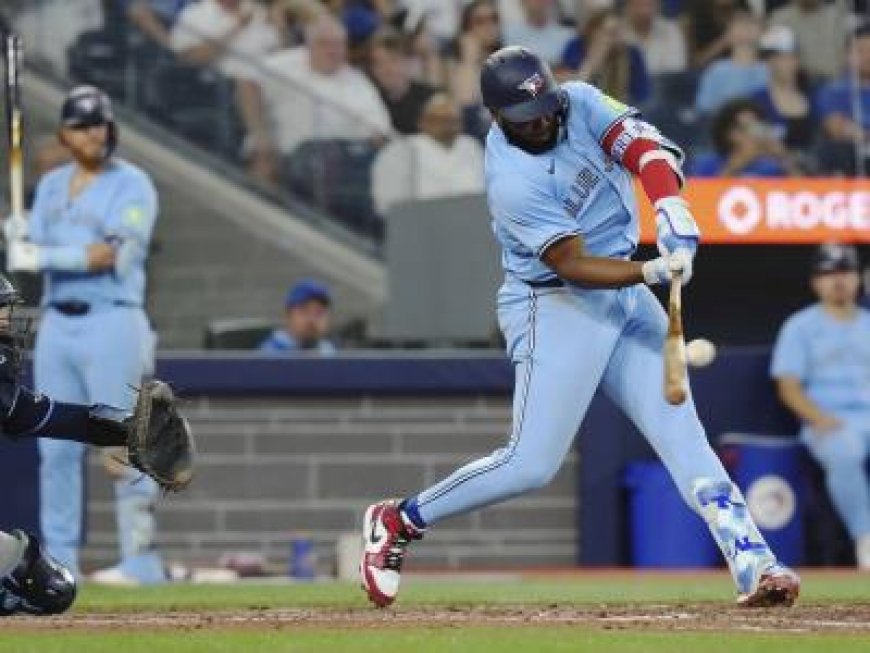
[(852, 618)]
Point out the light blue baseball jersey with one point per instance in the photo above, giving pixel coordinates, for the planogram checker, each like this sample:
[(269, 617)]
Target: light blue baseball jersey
[(575, 188), (119, 206), (830, 357)]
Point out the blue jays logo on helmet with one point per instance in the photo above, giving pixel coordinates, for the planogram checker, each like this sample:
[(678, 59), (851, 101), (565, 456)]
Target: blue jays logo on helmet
[(534, 85)]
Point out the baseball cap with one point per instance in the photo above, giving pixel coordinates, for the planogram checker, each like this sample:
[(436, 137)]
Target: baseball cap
[(833, 257), (307, 290), (778, 39)]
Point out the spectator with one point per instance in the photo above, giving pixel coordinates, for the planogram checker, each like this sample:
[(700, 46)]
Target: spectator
[(821, 364), (539, 30), (739, 75), (567, 11), (390, 69), (442, 16), (601, 57), (291, 16), (707, 28), (479, 36), (845, 110), (660, 39), (233, 36), (820, 28), (311, 92), (745, 146), (784, 102), (155, 18), (438, 162), (306, 321)]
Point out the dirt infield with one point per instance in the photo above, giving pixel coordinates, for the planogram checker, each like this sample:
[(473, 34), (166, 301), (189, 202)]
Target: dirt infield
[(854, 618)]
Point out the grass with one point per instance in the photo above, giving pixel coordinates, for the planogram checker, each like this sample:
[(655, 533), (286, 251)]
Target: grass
[(422, 591), (427, 640), (384, 634)]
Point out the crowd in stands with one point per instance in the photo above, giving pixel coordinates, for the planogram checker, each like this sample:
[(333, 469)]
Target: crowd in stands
[(334, 99)]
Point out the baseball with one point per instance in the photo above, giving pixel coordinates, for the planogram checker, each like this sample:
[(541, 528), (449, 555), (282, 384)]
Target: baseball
[(700, 352)]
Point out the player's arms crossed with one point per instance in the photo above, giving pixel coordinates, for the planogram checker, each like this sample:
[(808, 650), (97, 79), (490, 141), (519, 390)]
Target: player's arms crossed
[(567, 259), (131, 221)]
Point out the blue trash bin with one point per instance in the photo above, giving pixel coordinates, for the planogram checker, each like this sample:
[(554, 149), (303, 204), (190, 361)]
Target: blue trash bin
[(767, 469), (665, 532)]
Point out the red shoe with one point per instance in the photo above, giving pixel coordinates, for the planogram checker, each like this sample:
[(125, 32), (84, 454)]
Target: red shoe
[(385, 538), (778, 586)]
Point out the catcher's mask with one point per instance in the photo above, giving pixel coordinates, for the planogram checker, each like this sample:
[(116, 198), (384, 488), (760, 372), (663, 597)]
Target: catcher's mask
[(14, 329)]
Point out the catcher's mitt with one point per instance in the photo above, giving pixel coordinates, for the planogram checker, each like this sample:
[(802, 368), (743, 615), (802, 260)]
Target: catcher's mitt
[(159, 441)]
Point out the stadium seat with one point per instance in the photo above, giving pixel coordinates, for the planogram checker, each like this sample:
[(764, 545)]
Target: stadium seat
[(237, 333), (99, 57), (197, 103), (335, 175), (675, 89)]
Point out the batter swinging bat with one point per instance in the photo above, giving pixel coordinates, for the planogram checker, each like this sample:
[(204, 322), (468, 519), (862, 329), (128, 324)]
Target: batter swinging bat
[(675, 346), (13, 118)]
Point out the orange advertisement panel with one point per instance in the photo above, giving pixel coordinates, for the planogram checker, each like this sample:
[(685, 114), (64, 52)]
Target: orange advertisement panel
[(773, 211)]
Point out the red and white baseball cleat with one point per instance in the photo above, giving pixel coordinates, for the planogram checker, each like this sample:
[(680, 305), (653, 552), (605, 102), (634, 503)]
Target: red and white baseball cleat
[(385, 537), (777, 586)]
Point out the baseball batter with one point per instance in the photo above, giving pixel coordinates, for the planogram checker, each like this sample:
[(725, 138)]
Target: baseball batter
[(577, 314), (89, 231)]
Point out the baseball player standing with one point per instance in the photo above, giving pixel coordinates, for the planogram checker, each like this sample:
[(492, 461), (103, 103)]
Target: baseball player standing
[(576, 313), (89, 231), (821, 364)]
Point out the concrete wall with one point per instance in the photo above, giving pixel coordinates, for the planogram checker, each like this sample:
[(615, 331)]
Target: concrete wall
[(270, 468)]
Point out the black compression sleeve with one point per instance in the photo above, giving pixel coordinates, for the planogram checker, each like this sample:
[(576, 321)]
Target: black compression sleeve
[(37, 416)]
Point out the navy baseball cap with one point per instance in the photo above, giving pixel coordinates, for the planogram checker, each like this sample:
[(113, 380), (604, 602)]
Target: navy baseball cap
[(307, 290), (833, 257)]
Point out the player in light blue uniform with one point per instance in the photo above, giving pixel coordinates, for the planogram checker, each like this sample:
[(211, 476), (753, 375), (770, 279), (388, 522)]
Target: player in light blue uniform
[(821, 363), (89, 232), (576, 315)]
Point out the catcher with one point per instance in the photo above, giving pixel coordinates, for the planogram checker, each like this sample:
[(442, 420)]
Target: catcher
[(157, 438)]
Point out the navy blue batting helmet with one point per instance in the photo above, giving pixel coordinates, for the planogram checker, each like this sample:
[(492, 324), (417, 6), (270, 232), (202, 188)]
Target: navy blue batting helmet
[(88, 106), (519, 86), (833, 257)]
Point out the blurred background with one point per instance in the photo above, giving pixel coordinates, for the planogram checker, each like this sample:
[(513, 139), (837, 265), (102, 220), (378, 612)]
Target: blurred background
[(320, 171)]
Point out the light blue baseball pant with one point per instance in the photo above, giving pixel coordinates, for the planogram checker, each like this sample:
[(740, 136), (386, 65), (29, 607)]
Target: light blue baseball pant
[(94, 359), (564, 342), (843, 456)]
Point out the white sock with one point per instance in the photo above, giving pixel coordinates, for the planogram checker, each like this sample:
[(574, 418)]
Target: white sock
[(11, 550)]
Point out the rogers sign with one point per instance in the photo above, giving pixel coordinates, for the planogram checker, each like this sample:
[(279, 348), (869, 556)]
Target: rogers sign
[(741, 209), (774, 211)]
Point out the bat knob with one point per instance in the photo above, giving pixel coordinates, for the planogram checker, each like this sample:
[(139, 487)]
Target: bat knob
[(675, 396)]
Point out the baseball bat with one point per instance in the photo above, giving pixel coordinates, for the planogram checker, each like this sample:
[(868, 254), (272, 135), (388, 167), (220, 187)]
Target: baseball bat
[(14, 124), (675, 346)]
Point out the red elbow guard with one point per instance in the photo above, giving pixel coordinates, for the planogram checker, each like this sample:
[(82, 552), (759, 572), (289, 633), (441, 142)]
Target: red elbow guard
[(643, 157)]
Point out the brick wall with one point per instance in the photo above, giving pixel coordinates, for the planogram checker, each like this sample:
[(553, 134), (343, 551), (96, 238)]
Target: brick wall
[(271, 468)]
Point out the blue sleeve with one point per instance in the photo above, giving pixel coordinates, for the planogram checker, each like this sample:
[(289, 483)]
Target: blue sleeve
[(529, 213), (134, 211), (789, 353), (572, 55), (708, 94), (600, 111), (130, 222), (829, 102), (640, 87)]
